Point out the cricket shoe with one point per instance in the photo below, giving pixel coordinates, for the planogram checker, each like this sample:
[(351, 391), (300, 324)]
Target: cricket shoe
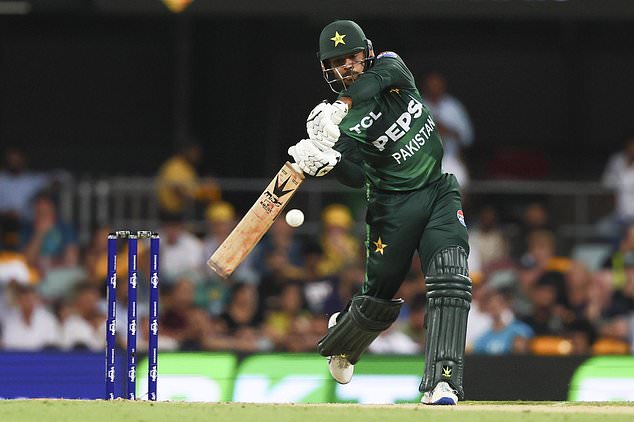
[(441, 394), (339, 367)]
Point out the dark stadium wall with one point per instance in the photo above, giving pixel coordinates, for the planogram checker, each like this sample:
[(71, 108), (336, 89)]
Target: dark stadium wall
[(79, 87)]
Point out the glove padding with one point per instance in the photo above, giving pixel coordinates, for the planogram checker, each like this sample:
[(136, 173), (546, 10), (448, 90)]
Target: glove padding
[(312, 160), (323, 121)]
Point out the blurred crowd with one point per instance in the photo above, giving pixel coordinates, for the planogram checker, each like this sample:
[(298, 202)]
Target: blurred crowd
[(527, 297)]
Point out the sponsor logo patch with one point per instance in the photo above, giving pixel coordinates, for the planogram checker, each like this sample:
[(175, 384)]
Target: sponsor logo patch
[(387, 54)]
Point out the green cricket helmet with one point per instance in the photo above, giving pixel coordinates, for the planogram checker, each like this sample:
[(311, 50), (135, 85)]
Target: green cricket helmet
[(342, 38)]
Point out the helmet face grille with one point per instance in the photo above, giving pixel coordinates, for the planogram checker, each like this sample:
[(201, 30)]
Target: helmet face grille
[(334, 78)]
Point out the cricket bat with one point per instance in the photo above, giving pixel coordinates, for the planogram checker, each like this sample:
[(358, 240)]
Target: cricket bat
[(257, 221)]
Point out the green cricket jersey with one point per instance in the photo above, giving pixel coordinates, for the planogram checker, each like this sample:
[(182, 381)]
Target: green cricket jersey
[(389, 132)]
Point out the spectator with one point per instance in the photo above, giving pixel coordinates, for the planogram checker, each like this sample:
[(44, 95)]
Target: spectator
[(535, 218), (306, 333), (280, 253), (14, 268), (18, 186), (577, 279), (317, 286), (542, 250), (242, 320), (618, 176), (546, 317), (283, 323), (180, 186), (414, 326), (345, 285), (183, 325), (507, 334), (582, 334), (616, 315), (84, 327), (393, 341), (181, 252), (49, 242), (622, 258), (96, 258), (488, 239), (610, 319), (600, 293), (29, 325), (340, 246), (453, 123), (412, 285), (480, 320), (221, 219)]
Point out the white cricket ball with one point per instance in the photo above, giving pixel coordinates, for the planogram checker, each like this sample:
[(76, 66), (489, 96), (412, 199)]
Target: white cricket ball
[(295, 218)]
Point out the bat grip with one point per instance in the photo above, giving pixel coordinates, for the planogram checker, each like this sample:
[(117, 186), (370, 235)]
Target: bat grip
[(296, 168)]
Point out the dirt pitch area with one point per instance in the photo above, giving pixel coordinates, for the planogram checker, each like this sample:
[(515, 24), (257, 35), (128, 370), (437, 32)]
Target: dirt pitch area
[(122, 410)]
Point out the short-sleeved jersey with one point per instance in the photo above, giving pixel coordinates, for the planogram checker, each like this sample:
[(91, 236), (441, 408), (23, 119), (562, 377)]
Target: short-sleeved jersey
[(389, 131)]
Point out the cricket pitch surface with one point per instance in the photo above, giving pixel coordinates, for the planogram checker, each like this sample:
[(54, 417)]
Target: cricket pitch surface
[(122, 410)]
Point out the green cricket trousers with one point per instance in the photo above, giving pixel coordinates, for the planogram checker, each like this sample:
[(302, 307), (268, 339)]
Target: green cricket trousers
[(399, 224)]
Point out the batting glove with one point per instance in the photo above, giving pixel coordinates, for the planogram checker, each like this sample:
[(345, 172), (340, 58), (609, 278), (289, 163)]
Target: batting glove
[(323, 122), (311, 160)]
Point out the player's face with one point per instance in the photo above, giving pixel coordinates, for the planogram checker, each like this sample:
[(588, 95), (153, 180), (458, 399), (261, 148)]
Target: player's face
[(348, 68)]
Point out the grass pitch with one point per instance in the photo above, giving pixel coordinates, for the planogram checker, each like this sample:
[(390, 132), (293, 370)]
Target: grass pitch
[(121, 410)]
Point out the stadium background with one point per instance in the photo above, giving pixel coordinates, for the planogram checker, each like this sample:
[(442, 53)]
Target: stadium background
[(128, 79), (108, 88)]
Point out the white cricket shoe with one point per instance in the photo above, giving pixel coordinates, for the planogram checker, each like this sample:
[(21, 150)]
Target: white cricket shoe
[(441, 394), (339, 367)]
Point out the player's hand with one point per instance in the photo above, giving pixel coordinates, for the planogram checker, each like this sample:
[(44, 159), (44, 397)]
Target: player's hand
[(312, 160), (323, 121)]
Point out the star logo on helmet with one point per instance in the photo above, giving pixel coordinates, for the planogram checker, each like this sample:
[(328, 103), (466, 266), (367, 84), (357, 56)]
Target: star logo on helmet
[(338, 38)]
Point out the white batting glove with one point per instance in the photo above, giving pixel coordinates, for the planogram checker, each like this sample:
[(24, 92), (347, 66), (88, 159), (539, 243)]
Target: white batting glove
[(312, 160), (323, 121)]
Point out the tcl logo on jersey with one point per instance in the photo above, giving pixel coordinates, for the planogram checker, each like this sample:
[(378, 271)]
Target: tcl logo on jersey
[(401, 126), (366, 122)]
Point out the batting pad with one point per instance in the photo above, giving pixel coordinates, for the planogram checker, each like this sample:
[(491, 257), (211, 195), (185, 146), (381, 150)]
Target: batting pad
[(357, 328), (448, 303)]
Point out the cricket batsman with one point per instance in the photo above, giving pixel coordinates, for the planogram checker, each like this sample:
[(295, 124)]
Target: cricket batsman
[(379, 134)]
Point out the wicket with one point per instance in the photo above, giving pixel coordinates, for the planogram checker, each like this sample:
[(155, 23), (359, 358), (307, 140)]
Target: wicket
[(111, 322)]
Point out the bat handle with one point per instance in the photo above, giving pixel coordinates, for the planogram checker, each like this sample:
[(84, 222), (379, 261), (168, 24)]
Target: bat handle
[(296, 168)]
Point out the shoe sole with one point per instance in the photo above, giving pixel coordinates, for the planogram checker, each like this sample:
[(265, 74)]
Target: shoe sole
[(446, 401)]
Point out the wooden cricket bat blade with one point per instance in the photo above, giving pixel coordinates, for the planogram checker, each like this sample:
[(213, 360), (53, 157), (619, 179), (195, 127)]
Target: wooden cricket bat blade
[(256, 222)]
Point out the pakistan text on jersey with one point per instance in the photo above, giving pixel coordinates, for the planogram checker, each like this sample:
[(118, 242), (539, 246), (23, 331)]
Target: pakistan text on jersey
[(416, 142)]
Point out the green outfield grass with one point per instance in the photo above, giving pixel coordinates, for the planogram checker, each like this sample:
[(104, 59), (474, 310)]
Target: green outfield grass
[(120, 410)]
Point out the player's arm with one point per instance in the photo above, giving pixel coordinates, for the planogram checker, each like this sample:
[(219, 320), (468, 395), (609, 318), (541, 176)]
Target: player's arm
[(349, 170), (388, 71)]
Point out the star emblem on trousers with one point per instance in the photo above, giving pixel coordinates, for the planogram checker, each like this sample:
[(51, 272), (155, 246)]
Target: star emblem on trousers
[(380, 246)]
